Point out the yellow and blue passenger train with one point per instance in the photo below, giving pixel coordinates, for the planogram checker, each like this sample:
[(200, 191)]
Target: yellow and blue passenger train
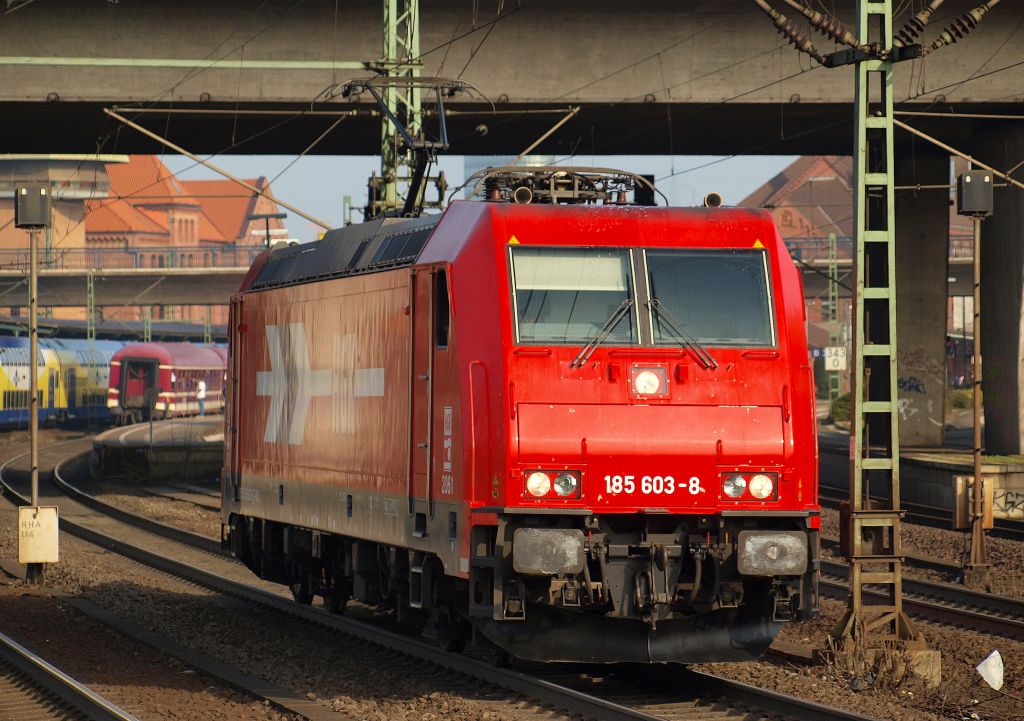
[(72, 380)]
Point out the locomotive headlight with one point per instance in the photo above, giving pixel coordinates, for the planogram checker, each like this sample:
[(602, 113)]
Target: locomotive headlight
[(734, 485), (565, 484), (647, 383), (761, 486), (538, 484)]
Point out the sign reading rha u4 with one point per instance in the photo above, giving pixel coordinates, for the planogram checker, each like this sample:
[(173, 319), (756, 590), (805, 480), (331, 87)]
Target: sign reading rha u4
[(835, 358), (37, 534)]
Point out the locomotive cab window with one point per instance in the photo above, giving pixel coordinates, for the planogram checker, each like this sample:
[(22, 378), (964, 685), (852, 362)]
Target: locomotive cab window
[(719, 297), (567, 295), (441, 310)]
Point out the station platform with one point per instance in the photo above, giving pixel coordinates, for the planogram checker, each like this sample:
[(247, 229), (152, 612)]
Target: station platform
[(180, 448), (927, 475)]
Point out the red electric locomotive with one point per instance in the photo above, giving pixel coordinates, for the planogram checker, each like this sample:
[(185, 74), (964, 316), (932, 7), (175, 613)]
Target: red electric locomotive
[(171, 371), (575, 428)]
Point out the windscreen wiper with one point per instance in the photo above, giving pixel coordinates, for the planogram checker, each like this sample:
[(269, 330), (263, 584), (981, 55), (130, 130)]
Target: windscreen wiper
[(609, 325), (685, 339)]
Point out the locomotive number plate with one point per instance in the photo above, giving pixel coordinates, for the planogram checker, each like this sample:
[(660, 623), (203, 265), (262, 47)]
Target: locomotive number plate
[(651, 485)]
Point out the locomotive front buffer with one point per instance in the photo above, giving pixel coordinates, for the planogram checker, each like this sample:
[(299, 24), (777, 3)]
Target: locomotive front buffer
[(691, 589)]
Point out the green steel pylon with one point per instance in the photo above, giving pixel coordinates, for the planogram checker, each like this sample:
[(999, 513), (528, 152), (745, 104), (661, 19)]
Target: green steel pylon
[(874, 548), (400, 60)]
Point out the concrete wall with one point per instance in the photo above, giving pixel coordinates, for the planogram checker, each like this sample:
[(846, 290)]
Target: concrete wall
[(1002, 298), (922, 258)]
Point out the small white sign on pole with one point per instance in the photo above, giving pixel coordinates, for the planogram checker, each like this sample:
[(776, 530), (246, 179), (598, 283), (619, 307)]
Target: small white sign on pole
[(835, 358), (37, 534)]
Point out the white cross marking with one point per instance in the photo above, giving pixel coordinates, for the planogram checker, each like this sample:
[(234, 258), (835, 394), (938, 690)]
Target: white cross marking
[(290, 383), (351, 383)]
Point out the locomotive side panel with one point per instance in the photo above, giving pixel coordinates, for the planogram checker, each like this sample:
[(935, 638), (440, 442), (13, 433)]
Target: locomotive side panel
[(323, 380)]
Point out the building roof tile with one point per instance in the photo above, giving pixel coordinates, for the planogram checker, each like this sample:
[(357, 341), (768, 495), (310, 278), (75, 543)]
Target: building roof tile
[(226, 205)]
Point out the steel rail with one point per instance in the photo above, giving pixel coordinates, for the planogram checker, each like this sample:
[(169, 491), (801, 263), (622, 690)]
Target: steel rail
[(934, 602), (187, 538), (910, 559), (935, 517), (527, 685), (55, 683)]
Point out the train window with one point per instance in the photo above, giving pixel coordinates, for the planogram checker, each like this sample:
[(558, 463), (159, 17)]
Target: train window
[(720, 297), (441, 309), (566, 295)]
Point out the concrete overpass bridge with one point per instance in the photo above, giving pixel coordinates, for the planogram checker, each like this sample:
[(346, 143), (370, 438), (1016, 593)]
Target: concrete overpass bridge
[(122, 287), (696, 77), (699, 77), (116, 277)]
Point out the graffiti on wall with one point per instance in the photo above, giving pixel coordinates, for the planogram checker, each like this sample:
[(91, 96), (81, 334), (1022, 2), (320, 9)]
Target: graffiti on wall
[(1009, 503), (913, 384)]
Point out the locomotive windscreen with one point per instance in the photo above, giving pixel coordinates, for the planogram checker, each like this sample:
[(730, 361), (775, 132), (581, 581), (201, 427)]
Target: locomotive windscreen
[(714, 297), (721, 297), (566, 295)]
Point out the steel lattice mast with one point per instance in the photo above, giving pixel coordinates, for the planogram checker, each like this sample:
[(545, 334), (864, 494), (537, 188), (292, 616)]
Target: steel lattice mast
[(874, 547), (401, 51)]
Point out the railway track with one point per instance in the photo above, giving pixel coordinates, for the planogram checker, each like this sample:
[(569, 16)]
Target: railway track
[(613, 693), (31, 689), (933, 516), (940, 602)]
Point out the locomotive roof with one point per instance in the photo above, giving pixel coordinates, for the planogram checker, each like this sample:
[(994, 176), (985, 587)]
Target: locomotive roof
[(186, 355), (380, 244), (388, 243)]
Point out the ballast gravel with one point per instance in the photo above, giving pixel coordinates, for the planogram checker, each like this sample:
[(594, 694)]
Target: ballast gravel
[(365, 682), (359, 680)]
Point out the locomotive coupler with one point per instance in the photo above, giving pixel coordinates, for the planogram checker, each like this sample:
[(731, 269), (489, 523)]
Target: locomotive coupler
[(782, 603), (646, 594)]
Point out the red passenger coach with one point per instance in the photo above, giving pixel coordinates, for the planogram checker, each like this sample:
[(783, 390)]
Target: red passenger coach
[(174, 370), (572, 431)]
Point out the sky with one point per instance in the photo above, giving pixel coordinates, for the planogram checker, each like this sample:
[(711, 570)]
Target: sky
[(318, 184)]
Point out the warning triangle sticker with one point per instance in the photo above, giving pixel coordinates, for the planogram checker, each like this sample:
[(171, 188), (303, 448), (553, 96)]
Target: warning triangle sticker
[(758, 244), (513, 240)]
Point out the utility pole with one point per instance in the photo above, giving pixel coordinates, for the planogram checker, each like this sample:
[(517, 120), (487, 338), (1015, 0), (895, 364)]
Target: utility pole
[(834, 337), (37, 526), (33, 351), (400, 60), (266, 218), (974, 199)]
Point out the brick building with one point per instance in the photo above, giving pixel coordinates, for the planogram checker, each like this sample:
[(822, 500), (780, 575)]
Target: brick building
[(153, 220), (812, 198)]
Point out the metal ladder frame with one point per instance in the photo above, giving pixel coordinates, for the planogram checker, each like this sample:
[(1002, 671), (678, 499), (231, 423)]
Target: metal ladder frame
[(874, 402)]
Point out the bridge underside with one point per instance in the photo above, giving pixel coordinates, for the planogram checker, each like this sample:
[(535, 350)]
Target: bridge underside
[(790, 128), (698, 77)]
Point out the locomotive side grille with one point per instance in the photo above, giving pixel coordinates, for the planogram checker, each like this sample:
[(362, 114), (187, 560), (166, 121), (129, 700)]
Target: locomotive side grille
[(400, 247), (349, 251)]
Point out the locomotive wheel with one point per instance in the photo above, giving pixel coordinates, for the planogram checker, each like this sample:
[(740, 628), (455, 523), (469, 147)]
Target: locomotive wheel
[(336, 603), (497, 657), (301, 593), (453, 638)]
